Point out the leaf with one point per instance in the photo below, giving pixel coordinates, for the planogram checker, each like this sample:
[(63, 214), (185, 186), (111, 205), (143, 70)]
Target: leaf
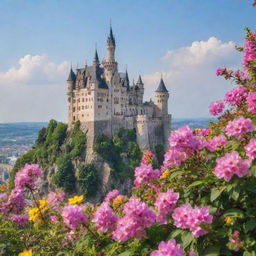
[(235, 194), (212, 251), (215, 193), (249, 225), (235, 213), (187, 238), (196, 183), (126, 253), (174, 174), (176, 233)]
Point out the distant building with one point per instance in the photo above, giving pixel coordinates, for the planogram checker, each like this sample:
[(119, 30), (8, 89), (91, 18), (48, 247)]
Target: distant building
[(103, 99)]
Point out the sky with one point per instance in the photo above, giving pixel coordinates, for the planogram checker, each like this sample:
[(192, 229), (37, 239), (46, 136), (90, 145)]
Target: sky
[(184, 40)]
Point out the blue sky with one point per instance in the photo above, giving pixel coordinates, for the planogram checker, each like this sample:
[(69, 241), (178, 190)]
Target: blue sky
[(145, 30)]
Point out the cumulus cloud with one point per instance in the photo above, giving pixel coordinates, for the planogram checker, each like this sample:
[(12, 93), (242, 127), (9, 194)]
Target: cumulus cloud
[(189, 74), (34, 90)]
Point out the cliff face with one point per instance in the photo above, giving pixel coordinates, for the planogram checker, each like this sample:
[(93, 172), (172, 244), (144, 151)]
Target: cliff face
[(67, 164)]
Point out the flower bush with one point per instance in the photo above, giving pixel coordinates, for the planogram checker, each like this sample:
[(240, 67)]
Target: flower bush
[(200, 202)]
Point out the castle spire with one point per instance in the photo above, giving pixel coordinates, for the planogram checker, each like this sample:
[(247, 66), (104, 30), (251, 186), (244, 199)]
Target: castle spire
[(161, 87), (127, 82), (139, 82), (96, 58), (111, 39), (72, 76), (111, 46)]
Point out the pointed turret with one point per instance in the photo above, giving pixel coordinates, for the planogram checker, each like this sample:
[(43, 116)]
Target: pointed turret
[(111, 39), (139, 82), (126, 80), (161, 87), (72, 76), (96, 58)]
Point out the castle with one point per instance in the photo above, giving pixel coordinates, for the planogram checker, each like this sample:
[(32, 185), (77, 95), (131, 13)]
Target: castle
[(103, 99)]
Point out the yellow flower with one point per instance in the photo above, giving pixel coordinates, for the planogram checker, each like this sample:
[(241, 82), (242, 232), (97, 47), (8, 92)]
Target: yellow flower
[(118, 200), (26, 253), (34, 214), (165, 174), (76, 199), (228, 221), (3, 187), (43, 204)]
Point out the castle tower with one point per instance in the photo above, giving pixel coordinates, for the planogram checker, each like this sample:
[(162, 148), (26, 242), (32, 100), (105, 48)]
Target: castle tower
[(140, 86), (162, 96), (96, 61), (71, 83)]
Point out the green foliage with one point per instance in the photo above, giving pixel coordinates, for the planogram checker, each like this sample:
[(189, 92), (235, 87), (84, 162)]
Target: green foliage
[(65, 176), (159, 150), (88, 179), (121, 152)]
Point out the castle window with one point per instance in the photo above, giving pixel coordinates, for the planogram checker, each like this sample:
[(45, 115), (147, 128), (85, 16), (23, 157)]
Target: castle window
[(78, 108), (82, 107), (74, 118), (83, 99), (86, 99), (74, 109), (100, 106)]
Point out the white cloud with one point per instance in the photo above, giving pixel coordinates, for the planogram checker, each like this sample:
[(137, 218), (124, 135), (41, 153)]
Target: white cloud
[(189, 74), (35, 90)]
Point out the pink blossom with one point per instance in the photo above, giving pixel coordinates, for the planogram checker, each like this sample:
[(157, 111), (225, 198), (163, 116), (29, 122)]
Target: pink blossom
[(250, 149), (216, 142), (249, 49), (21, 220), (16, 201), (27, 176), (174, 157), (216, 107), (220, 71), (54, 219), (170, 248), (55, 198), (165, 203), (251, 102), (137, 217), (202, 132), (104, 218), (144, 174), (148, 157), (239, 126), (231, 164), (235, 96), (187, 217), (111, 195), (3, 200), (74, 216)]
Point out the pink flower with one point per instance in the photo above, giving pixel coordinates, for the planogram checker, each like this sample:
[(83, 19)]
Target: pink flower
[(137, 217), (216, 107), (231, 164), (202, 132), (148, 157), (144, 174), (254, 3), (250, 149), (111, 195), (55, 198), (21, 220), (54, 219), (28, 176), (187, 217), (104, 218), (249, 49), (216, 142), (73, 216), (174, 157), (170, 248), (251, 102), (220, 71), (16, 201), (235, 96), (239, 126), (165, 203)]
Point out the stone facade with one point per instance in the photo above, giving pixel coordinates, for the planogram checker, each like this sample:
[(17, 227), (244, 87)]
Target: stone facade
[(102, 99)]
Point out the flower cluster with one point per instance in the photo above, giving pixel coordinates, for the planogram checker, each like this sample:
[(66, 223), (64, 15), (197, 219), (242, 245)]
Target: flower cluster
[(202, 132), (104, 218), (174, 157), (111, 195), (144, 174), (20, 220), (16, 201), (27, 176), (148, 157), (187, 217), (250, 149), (170, 248), (251, 102), (74, 216), (235, 96), (249, 49), (231, 164), (227, 73), (216, 107), (239, 126), (137, 217), (165, 203), (36, 213), (216, 142), (76, 199), (55, 198)]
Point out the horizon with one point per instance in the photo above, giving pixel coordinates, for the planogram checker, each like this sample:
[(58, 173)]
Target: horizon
[(184, 41)]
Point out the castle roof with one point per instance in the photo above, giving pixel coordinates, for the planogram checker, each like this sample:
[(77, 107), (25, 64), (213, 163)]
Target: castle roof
[(161, 87), (111, 39), (96, 76), (139, 80), (72, 76), (96, 58)]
